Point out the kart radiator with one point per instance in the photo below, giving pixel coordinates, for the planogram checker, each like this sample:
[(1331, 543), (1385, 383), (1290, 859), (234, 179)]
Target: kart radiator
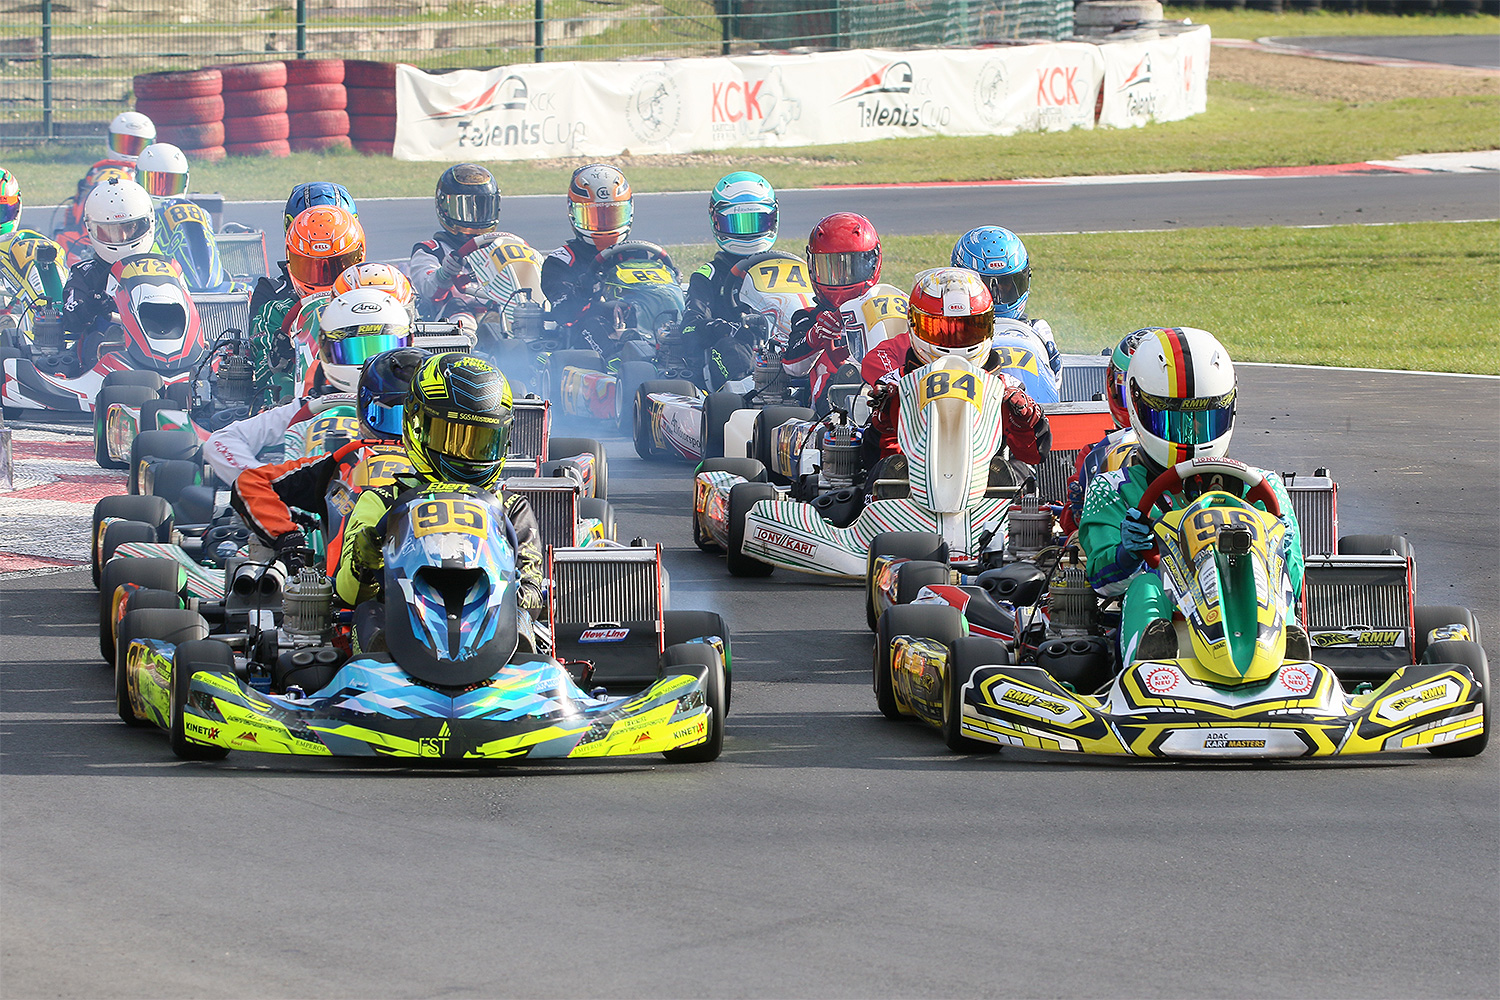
[(243, 254), (1082, 377), (1315, 502), (606, 585), (220, 311), (555, 502), (528, 437), (1053, 474), (1359, 614)]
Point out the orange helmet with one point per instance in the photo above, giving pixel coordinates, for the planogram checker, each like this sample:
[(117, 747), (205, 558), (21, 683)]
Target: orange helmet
[(383, 277), (322, 243)]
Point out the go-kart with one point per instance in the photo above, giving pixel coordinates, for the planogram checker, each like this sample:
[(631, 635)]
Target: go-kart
[(32, 278), (1245, 682), (467, 675)]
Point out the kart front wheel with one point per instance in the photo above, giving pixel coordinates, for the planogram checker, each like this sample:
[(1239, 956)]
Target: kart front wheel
[(126, 395), (1471, 655), (155, 574), (189, 658), (924, 545), (926, 621), (683, 658), (148, 615), (964, 656), (1431, 616), (150, 445), (149, 510), (681, 626), (743, 496)]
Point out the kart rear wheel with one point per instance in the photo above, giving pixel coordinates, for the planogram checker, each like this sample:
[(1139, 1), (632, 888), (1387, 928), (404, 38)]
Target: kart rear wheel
[(924, 545), (743, 496), (1431, 616), (718, 407), (1376, 545), (689, 655), (915, 575), (681, 626), (139, 623), (928, 621), (632, 374), (169, 477), (169, 445), (126, 395), (133, 376), (766, 421), (601, 509), (155, 574), (150, 510), (964, 655), (192, 656), (1471, 655), (558, 360)]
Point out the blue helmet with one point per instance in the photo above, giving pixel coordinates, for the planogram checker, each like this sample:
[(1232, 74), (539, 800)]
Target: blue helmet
[(742, 211), (305, 196), (1000, 258)]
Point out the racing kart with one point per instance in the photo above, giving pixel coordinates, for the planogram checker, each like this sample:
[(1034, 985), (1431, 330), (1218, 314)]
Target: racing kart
[(32, 278), (464, 674), (1246, 683)]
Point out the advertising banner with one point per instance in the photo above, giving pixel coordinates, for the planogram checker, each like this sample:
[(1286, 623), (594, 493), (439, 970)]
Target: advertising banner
[(539, 110)]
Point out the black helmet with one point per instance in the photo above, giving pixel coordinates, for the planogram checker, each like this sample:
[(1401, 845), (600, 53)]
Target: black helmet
[(384, 382), (468, 200), (457, 421)]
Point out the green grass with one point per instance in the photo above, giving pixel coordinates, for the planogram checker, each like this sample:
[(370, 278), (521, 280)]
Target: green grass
[(1418, 296), (1260, 24)]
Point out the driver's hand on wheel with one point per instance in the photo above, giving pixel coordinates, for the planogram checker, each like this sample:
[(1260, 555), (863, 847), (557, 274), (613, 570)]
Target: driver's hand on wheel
[(1135, 533)]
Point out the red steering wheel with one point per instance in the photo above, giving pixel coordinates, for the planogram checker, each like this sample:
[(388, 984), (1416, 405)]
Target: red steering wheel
[(1172, 479)]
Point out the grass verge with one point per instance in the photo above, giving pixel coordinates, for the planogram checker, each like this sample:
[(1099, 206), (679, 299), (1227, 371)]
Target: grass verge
[(1419, 296), (1261, 24)]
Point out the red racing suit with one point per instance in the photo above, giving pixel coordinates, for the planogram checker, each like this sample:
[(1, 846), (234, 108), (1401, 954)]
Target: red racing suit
[(817, 346)]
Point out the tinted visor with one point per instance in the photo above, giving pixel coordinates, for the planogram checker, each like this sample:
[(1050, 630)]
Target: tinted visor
[(612, 218), (385, 415), (953, 331), (1194, 421), (472, 209), (10, 208), (116, 234), (1005, 289), (321, 272), (358, 344), (127, 145), (744, 220), (464, 441), (844, 268), (162, 183)]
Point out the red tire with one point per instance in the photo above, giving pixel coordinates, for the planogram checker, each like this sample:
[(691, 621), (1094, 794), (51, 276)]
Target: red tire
[(183, 111), (250, 103), (195, 136), (208, 154), (261, 128), (313, 123), (318, 143), (273, 147), (365, 73), (371, 147), (178, 86), (316, 97), (252, 76), (366, 101), (304, 71), (375, 128)]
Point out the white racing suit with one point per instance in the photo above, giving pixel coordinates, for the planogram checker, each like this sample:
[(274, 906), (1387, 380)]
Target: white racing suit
[(238, 447)]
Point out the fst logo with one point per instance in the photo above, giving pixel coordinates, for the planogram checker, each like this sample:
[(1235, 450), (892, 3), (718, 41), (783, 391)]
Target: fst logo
[(1057, 86)]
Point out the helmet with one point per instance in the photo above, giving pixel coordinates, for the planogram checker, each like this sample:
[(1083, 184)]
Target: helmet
[(951, 314), (468, 200), (742, 212), (600, 204), (355, 327), (322, 243), (10, 202), (1180, 392), (129, 134), (119, 219), (1000, 258), (384, 382), (1114, 376), (383, 277), (843, 254), (162, 170), (314, 193), (457, 422)]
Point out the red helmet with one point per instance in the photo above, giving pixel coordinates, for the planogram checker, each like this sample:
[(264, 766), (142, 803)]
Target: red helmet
[(843, 253), (951, 313)]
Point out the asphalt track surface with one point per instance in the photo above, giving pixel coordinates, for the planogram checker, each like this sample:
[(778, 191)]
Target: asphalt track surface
[(829, 852), (1478, 51)]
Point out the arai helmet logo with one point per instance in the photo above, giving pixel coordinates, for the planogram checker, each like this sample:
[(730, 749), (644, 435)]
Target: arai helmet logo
[(365, 307)]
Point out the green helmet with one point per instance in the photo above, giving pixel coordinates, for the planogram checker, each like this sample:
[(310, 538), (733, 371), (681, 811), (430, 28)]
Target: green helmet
[(742, 212), (10, 202), (456, 425)]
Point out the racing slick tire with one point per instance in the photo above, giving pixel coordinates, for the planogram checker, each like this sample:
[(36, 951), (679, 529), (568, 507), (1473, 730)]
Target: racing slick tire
[(199, 653), (766, 421), (137, 624), (558, 360), (645, 441), (694, 654), (632, 374), (1471, 655), (1376, 545), (963, 656), (128, 395), (930, 621), (167, 478), (162, 445), (562, 447), (146, 420), (133, 376), (681, 626), (747, 468), (743, 496), (150, 510), (718, 407), (601, 509), (923, 545), (917, 574), (117, 533), (1430, 616), (153, 574)]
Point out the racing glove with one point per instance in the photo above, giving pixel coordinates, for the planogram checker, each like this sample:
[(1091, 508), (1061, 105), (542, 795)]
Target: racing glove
[(1044, 332), (1135, 534), (826, 331), (454, 263), (291, 549)]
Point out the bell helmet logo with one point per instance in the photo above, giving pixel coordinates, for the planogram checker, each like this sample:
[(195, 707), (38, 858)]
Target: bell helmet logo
[(892, 78), (321, 247)]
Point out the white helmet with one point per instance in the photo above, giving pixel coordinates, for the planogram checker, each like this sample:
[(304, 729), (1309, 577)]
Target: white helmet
[(354, 327), (162, 170), (1179, 390), (119, 219), (951, 313), (129, 134)]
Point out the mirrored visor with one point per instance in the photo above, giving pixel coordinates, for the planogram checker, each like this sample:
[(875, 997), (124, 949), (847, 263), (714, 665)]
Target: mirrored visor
[(126, 144), (612, 218), (745, 220), (116, 234), (10, 208), (356, 345), (953, 331), (1007, 288), (483, 209), (162, 183), (853, 268), (385, 417), (1185, 421), (321, 272), (467, 441)]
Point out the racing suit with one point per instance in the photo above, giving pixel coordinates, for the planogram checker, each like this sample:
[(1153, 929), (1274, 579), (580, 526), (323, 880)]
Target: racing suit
[(816, 348), (1113, 571), (435, 294), (231, 450), (272, 308), (712, 319), (86, 307), (569, 283), (1105, 455)]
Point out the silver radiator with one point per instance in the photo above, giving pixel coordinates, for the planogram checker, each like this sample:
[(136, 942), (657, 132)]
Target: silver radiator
[(243, 254), (220, 311), (1082, 377), (606, 585), (1359, 612), (1052, 476), (528, 431), (1315, 502), (555, 502)]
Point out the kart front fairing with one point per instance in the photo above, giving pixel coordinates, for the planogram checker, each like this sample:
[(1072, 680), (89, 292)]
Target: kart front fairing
[(652, 300), (163, 332)]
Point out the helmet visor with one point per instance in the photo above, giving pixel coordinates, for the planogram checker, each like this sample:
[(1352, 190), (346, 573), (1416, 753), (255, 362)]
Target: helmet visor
[(1114, 394), (116, 234), (1005, 289), (162, 183), (611, 218), (385, 415), (1194, 421), (356, 345), (125, 144), (473, 209), (953, 332), (744, 220), (10, 208), (852, 268), (463, 441), (321, 272)]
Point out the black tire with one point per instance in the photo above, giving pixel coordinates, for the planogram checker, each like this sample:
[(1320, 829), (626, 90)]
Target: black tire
[(138, 623), (156, 574), (150, 380), (766, 421), (120, 532), (917, 574), (743, 496), (179, 394), (922, 545), (169, 477), (1376, 545), (172, 445), (565, 359), (680, 626), (149, 510), (931, 621), (594, 507), (129, 395), (718, 407), (963, 656), (691, 655), (190, 657), (645, 444), (632, 374), (568, 447), (150, 408), (1431, 616), (1471, 655), (751, 470)]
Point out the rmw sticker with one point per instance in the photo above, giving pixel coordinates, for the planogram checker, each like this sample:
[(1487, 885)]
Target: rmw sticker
[(604, 635)]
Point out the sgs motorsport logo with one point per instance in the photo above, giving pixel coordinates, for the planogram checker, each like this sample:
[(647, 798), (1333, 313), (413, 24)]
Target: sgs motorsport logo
[(893, 97), (509, 113), (654, 107)]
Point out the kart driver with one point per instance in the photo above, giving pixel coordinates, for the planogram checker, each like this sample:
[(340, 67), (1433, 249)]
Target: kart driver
[(601, 208), (120, 222), (130, 133), (1000, 258), (843, 255), (10, 205), (1113, 450), (1180, 396), (468, 207)]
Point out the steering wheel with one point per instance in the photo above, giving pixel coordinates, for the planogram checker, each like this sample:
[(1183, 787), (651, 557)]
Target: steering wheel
[(633, 250), (1172, 479)]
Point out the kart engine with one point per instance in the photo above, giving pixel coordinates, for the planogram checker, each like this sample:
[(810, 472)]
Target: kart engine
[(1030, 528), (306, 617), (1071, 607), (235, 380), (840, 458)]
